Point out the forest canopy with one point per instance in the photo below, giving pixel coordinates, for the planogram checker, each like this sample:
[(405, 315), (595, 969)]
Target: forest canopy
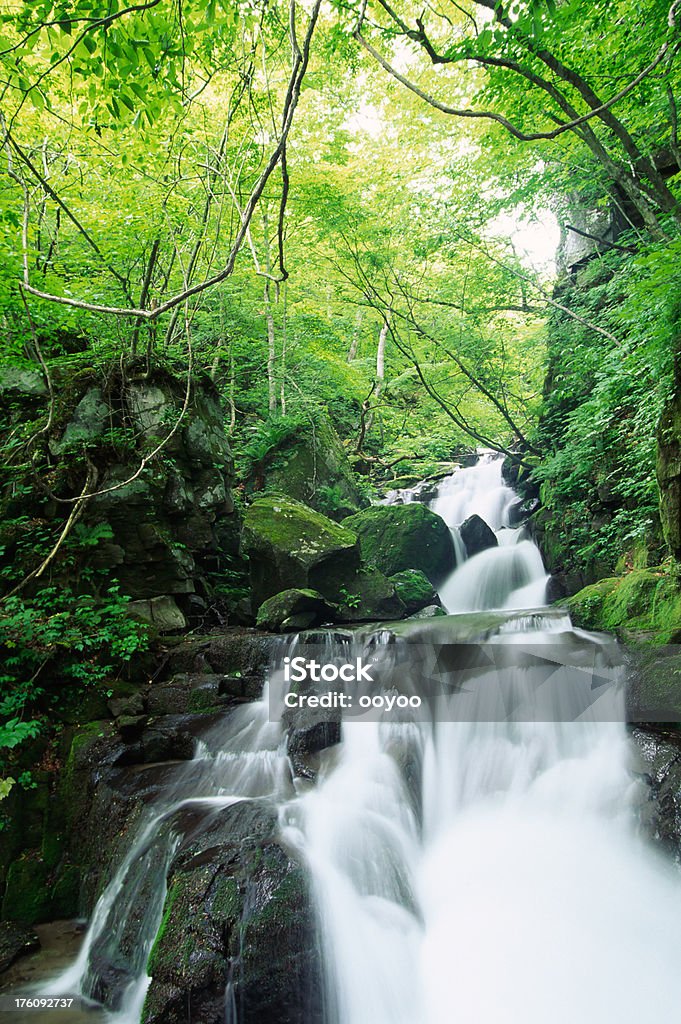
[(331, 193)]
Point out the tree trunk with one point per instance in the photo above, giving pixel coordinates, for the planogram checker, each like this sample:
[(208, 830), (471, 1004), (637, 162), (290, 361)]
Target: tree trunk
[(380, 368)]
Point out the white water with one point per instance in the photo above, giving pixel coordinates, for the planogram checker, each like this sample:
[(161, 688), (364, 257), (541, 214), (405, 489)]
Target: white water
[(511, 575), (481, 871)]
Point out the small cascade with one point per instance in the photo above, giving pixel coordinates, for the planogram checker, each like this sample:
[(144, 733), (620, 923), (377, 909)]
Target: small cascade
[(502, 577), (478, 490), (242, 758), (510, 575)]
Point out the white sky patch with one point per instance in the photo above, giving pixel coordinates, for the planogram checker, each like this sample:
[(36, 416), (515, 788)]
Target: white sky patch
[(536, 239), (367, 119)]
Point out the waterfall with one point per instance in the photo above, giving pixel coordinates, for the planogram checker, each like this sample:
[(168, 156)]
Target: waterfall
[(476, 862)]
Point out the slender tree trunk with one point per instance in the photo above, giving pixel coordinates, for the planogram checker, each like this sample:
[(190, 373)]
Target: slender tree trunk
[(354, 344), (380, 368), (269, 316), (282, 384)]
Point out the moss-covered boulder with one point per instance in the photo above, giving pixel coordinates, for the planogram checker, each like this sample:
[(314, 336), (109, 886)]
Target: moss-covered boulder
[(414, 589), (295, 609), (644, 604), (369, 596), (397, 537), (292, 546), (237, 926), (309, 463)]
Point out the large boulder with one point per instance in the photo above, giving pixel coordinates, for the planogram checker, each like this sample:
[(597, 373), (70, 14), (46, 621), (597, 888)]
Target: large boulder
[(477, 536), (292, 546), (162, 527), (310, 464), (369, 596), (238, 926), (398, 537)]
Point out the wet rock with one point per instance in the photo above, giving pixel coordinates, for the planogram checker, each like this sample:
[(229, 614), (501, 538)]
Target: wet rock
[(237, 913), (477, 535), (431, 611), (160, 612), (165, 740), (414, 589), (522, 510), (310, 733), (16, 940), (510, 470), (399, 537), (295, 609), (659, 767)]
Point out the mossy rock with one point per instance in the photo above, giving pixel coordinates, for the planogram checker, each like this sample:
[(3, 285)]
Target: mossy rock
[(237, 912), (66, 892), (398, 537), (669, 473), (369, 597), (653, 687), (414, 589), (643, 604), (292, 546), (295, 609), (311, 465)]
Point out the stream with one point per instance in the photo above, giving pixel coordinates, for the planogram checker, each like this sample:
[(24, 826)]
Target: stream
[(479, 860)]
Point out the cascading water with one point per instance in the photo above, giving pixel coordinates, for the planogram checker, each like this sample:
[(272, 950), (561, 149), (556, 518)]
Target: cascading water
[(511, 575), (471, 864)]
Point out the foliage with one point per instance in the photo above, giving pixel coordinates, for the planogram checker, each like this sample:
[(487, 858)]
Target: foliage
[(602, 406), (56, 644)]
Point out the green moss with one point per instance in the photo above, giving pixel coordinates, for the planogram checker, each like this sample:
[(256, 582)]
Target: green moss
[(291, 606), (66, 892), (414, 589), (289, 525), (282, 908), (156, 958), (644, 601), (226, 899), (399, 537)]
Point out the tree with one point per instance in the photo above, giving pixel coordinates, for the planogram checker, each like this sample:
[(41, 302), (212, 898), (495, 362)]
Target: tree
[(523, 59)]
